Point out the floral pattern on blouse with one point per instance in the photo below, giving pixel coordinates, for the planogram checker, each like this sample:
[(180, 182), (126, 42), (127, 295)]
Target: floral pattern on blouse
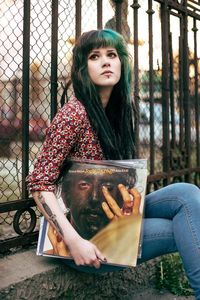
[(69, 135)]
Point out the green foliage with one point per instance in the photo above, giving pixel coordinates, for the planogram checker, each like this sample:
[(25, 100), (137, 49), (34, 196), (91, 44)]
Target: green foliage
[(171, 276)]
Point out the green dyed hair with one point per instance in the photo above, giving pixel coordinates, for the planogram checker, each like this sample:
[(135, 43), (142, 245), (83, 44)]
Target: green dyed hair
[(114, 125)]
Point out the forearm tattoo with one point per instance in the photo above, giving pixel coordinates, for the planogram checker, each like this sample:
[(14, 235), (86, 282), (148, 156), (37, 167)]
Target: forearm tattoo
[(52, 217)]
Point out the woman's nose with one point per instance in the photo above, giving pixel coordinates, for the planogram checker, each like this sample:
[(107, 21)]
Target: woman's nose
[(105, 62), (106, 65)]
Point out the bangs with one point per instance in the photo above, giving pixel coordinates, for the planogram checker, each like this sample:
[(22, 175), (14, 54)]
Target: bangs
[(102, 39)]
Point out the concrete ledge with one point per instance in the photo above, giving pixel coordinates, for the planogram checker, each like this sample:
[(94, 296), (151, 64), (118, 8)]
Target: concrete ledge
[(27, 276)]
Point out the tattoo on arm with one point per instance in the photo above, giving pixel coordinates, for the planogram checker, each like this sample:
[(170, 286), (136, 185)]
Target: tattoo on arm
[(52, 217)]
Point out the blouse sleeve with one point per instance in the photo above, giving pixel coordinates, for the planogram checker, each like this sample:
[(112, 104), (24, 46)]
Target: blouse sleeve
[(61, 137)]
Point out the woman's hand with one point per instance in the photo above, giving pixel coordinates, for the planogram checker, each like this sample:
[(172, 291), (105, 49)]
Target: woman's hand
[(62, 235), (86, 253), (82, 251), (131, 203)]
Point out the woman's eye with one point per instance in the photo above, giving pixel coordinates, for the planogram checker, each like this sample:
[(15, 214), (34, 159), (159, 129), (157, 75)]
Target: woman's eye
[(93, 56), (112, 55)]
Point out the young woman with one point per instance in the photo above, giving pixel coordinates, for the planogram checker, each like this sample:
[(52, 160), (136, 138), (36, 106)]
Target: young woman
[(97, 124)]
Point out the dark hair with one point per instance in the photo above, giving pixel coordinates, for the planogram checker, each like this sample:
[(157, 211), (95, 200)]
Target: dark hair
[(114, 125)]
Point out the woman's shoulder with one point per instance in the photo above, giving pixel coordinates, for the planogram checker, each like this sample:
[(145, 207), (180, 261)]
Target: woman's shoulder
[(74, 106), (73, 113)]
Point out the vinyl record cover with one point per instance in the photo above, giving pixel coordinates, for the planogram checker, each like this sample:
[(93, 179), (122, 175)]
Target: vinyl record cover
[(104, 201)]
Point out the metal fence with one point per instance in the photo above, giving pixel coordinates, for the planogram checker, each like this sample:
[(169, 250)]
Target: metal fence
[(36, 41)]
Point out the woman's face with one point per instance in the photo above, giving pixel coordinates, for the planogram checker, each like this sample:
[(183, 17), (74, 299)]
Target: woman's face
[(104, 67)]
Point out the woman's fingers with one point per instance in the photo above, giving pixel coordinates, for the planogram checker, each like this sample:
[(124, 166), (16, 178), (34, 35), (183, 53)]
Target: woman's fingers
[(99, 258), (86, 253), (111, 202), (96, 263)]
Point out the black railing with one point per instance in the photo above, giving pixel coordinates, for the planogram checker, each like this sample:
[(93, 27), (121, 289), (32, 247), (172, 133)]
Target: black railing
[(163, 37)]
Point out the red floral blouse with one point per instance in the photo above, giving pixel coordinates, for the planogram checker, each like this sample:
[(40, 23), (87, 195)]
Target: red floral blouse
[(69, 135)]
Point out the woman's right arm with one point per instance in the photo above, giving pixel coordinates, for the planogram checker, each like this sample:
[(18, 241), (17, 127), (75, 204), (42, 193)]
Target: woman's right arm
[(82, 251), (61, 137)]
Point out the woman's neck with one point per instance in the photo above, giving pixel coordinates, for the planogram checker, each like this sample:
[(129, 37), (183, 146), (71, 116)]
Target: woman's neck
[(104, 94)]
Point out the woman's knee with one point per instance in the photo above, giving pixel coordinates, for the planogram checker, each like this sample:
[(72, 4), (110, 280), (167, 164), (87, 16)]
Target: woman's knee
[(174, 196), (186, 193), (184, 188)]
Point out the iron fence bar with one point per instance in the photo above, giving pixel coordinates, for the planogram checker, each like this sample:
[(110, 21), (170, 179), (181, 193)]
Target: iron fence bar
[(174, 13), (165, 85), (99, 14), (197, 105), (19, 241), (196, 8), (54, 59), (118, 16), (176, 5), (186, 96), (181, 141), (25, 96), (172, 112), (172, 173), (135, 7), (195, 2), (193, 14), (150, 13), (15, 205), (78, 18), (179, 7)]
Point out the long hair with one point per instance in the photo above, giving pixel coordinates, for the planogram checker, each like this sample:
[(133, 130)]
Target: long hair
[(114, 125)]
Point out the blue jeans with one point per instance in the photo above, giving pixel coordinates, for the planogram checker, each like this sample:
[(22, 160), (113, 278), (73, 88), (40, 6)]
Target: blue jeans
[(171, 224)]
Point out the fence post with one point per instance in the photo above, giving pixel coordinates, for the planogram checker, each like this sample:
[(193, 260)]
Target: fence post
[(54, 57), (165, 87), (25, 97)]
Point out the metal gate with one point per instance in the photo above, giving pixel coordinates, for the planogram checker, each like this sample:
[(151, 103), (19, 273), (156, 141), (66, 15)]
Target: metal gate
[(36, 41)]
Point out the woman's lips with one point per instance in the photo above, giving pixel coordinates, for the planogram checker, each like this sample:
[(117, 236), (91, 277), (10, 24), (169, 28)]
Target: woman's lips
[(107, 73)]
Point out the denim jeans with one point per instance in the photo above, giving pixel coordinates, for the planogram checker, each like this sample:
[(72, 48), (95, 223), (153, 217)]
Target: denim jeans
[(171, 224)]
